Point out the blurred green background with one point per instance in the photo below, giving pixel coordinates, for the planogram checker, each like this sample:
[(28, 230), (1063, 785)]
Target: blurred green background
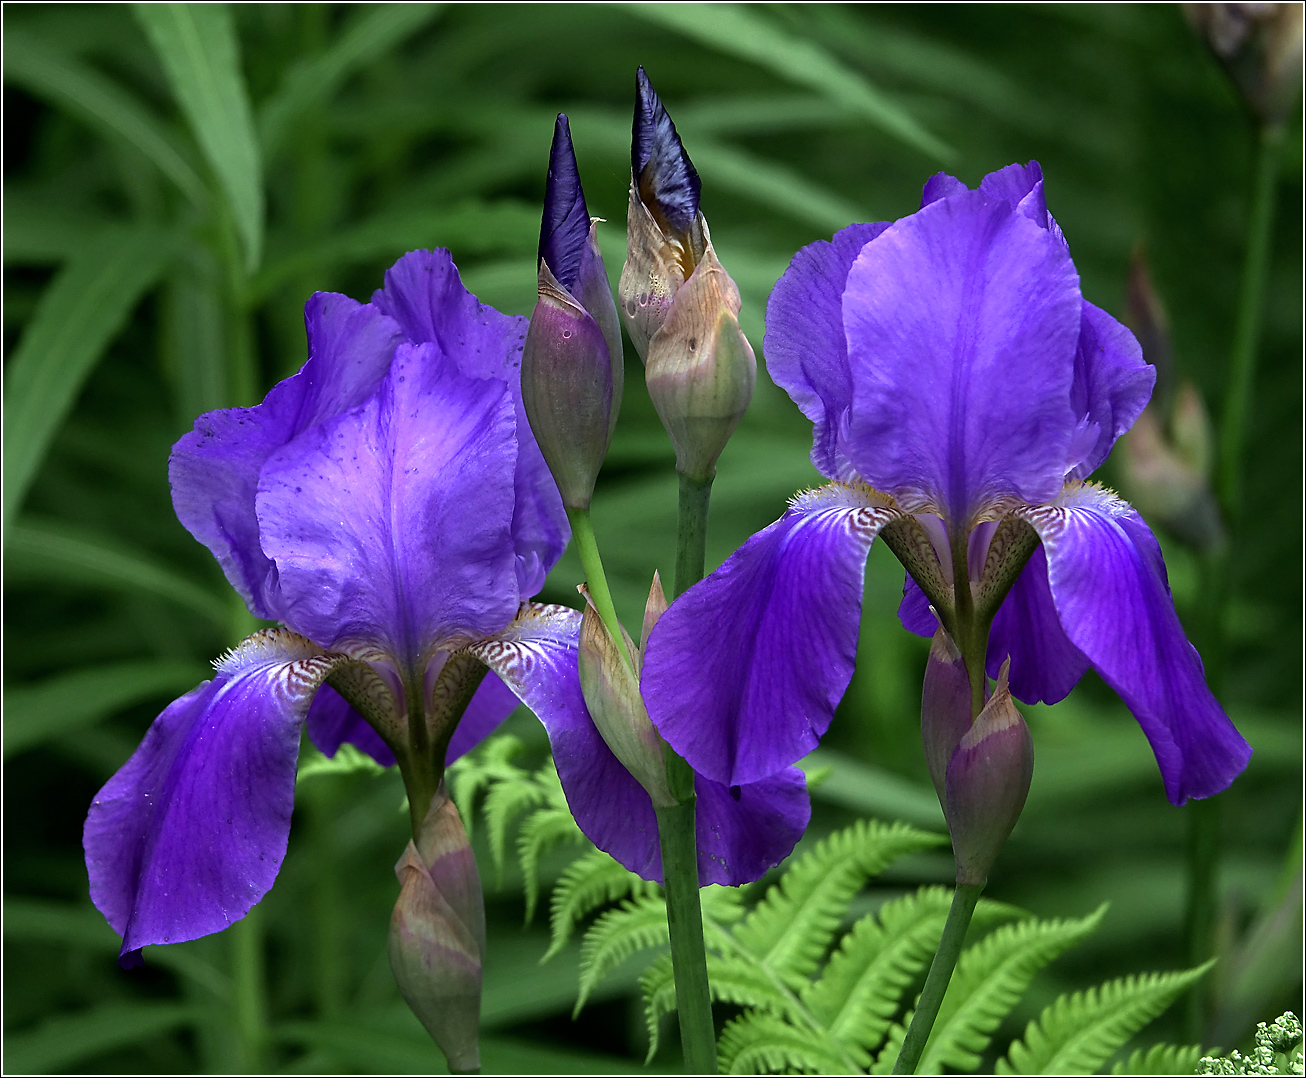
[(157, 255)]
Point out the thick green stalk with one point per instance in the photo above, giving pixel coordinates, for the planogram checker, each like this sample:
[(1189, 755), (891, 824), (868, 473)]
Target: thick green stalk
[(248, 977), (691, 531), (582, 533), (936, 982)]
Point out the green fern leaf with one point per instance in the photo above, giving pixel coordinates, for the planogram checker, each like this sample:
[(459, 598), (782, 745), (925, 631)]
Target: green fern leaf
[(1161, 1059), (594, 879), (888, 1054), (470, 774), (762, 1043), (989, 979), (658, 987), (503, 803), (792, 926), (541, 832), (635, 925), (1077, 1033)]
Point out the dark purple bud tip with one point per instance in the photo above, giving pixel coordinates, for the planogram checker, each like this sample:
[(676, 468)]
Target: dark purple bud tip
[(666, 179), (566, 225), (131, 959)]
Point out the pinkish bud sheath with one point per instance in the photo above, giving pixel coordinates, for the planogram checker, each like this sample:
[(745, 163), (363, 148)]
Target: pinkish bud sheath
[(945, 707), (654, 608), (986, 784), (437, 934)]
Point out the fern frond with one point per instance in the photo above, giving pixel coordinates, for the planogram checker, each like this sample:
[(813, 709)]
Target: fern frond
[(1161, 1059), (541, 832), (594, 879), (658, 989), (503, 803), (990, 977), (635, 925), (1078, 1033), (469, 774), (762, 1043), (792, 926), (888, 1054)]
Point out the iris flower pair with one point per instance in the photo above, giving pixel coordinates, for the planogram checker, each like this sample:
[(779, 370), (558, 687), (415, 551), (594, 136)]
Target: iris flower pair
[(962, 391), (390, 508)]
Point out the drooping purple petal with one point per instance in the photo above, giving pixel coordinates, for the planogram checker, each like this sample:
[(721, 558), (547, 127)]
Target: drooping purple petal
[(1108, 582), (667, 181), (805, 349), (743, 672), (214, 469), (425, 295), (914, 610), (390, 525), (332, 723), (1045, 665), (1111, 388), (962, 322), (565, 228), (190, 833), (739, 838)]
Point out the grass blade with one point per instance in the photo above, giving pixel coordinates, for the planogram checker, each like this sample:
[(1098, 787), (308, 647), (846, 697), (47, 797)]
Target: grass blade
[(63, 1041), (76, 318), (197, 46)]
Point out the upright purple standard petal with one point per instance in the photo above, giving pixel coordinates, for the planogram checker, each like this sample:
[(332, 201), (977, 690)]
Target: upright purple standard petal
[(390, 526), (190, 833), (565, 228), (805, 348), (741, 833), (962, 322), (743, 672), (1108, 582), (425, 295), (214, 470), (667, 181)]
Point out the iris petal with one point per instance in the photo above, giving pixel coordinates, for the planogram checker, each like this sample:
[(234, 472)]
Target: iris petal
[(190, 833), (743, 672), (739, 839), (332, 723), (1108, 582), (805, 349), (1111, 388), (962, 322)]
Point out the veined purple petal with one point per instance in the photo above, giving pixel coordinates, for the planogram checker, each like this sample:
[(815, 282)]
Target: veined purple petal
[(1108, 583), (565, 228), (962, 322), (425, 295), (739, 838), (1045, 665), (332, 723), (1021, 187), (214, 469), (662, 171), (390, 525), (743, 673), (1111, 388), (804, 346), (190, 833)]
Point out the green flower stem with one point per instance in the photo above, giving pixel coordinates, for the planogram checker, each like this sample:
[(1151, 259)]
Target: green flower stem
[(249, 978), (691, 531), (582, 533), (936, 982)]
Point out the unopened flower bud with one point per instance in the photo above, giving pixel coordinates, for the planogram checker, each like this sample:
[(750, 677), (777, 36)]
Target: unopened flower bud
[(945, 707), (610, 686), (986, 784), (437, 934), (1260, 46), (572, 367)]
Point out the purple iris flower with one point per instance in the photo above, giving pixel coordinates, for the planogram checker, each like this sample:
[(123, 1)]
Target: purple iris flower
[(389, 507), (962, 391)]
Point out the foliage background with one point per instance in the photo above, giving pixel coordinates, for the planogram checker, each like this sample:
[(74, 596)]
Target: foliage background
[(143, 286)]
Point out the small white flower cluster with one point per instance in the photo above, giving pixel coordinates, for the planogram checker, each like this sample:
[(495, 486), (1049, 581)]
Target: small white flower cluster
[(1278, 1051)]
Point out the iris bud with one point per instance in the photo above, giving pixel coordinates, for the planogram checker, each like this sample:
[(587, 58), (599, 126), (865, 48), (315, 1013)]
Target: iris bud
[(945, 707), (986, 783), (611, 690), (572, 366), (1260, 46), (437, 934), (678, 304)]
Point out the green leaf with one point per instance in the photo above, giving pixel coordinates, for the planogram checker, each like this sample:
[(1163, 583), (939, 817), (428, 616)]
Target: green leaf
[(1078, 1033), (55, 553), (71, 701), (1161, 1059), (476, 771), (760, 1043), (503, 803), (81, 311), (375, 32), (541, 832), (60, 1042), (792, 926), (737, 30), (989, 980), (657, 987), (196, 43), (592, 880), (100, 103), (635, 925), (348, 760), (873, 791)]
